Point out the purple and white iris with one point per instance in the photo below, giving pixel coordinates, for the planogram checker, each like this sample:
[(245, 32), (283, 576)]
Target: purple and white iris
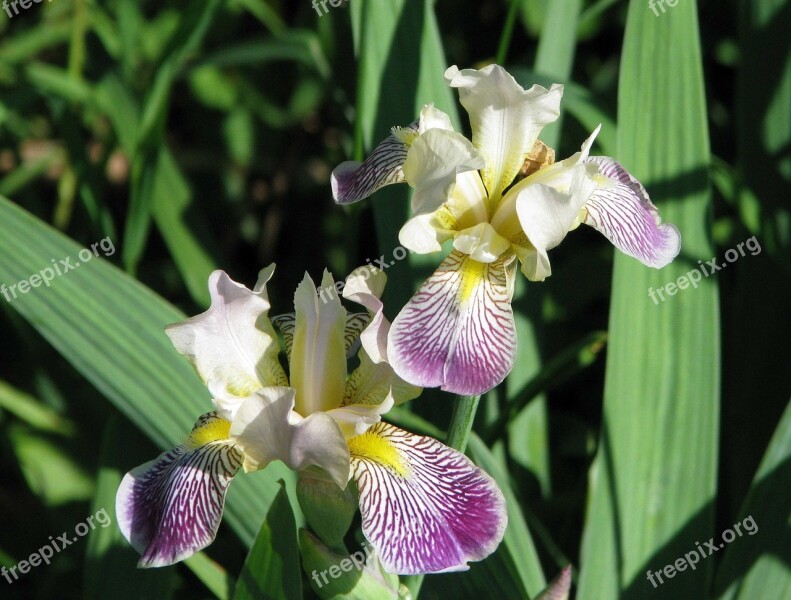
[(457, 332), (425, 507)]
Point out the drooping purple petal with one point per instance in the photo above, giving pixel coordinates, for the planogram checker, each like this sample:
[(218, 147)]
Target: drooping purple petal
[(624, 214), (425, 507), (353, 181), (171, 507), (457, 332)]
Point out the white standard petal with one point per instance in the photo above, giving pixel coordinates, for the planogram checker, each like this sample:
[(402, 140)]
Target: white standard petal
[(506, 119), (433, 162), (621, 210), (433, 118), (318, 354), (171, 507), (425, 507), (267, 428), (365, 286), (232, 346)]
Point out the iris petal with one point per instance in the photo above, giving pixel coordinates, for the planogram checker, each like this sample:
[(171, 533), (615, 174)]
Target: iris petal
[(318, 357), (506, 119), (232, 346), (425, 507), (458, 330), (353, 181), (365, 286), (171, 507), (267, 429), (434, 161), (625, 215)]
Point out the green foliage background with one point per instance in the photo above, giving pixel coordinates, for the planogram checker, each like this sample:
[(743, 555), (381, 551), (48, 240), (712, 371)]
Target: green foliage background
[(201, 135)]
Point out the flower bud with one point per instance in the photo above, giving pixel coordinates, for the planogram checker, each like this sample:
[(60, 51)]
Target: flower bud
[(328, 509)]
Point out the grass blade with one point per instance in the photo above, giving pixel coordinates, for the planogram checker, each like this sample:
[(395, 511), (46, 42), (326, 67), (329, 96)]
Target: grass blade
[(654, 479)]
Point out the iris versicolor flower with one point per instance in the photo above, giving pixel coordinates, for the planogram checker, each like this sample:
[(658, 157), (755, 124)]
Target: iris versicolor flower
[(500, 198), (425, 507)]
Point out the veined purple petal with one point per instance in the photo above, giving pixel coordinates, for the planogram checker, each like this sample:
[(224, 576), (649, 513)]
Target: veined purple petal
[(171, 507), (624, 214), (425, 507), (353, 181), (458, 330)]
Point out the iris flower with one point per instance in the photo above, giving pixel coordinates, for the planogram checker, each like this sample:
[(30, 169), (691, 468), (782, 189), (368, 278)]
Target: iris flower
[(425, 507), (500, 198)]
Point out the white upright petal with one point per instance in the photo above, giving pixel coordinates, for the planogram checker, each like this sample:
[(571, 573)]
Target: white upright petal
[(365, 286), (545, 206), (232, 346), (466, 207), (433, 162), (433, 118), (318, 354), (506, 119), (267, 428)]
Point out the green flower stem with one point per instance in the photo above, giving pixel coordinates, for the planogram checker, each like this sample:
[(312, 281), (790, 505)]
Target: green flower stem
[(458, 434), (461, 421)]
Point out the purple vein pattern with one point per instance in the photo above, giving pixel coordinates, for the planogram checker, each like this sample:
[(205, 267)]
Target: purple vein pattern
[(434, 513), (457, 332), (352, 181), (172, 506), (625, 215)]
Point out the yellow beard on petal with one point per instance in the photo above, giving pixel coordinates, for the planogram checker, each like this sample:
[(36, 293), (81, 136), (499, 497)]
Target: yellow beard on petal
[(472, 273), (209, 429), (373, 447)]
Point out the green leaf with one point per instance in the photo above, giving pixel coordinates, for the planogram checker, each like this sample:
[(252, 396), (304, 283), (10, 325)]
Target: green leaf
[(271, 569), (555, 54), (653, 482), (397, 41), (33, 412), (184, 230), (110, 328), (212, 575), (755, 377), (153, 116), (756, 564)]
